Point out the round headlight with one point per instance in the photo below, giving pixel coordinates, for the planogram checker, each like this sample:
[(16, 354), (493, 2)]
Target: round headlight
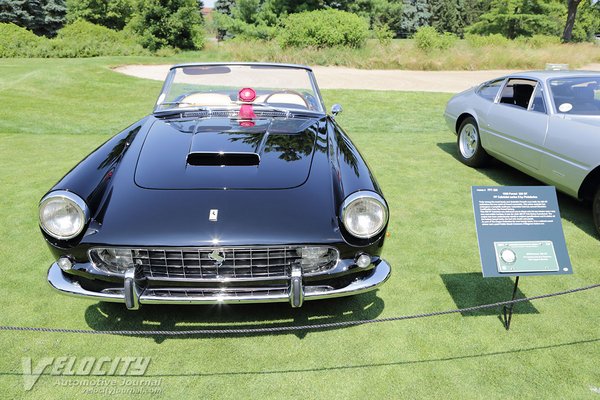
[(63, 215), (364, 214)]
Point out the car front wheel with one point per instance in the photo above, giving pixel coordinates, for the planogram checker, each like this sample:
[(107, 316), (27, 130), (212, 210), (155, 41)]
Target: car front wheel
[(596, 210), (470, 151)]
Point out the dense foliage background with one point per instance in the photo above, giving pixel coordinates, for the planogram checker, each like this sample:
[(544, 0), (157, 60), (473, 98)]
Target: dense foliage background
[(133, 26), (34, 28), (510, 18)]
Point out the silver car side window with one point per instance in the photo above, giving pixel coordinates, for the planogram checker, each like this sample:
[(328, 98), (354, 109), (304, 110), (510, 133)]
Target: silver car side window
[(537, 103), (490, 89), (518, 93)]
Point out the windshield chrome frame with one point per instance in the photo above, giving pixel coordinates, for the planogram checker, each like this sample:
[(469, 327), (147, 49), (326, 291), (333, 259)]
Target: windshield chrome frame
[(313, 82)]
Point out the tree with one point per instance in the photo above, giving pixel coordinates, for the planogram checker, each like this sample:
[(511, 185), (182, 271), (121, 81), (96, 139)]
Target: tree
[(55, 12), (379, 13), (387, 13), (447, 16), (454, 15), (43, 17), (224, 6), (587, 22), (246, 10), (175, 23), (255, 19), (113, 14), (571, 15), (415, 14), (513, 18)]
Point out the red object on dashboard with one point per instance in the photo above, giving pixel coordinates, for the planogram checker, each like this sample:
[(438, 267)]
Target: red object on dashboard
[(247, 112), (247, 95)]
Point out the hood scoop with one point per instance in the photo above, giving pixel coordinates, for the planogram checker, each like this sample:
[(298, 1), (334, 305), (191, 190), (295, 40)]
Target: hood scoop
[(218, 153), (222, 159)]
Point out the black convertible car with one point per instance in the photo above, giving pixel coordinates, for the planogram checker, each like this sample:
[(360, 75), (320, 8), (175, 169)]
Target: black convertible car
[(237, 189)]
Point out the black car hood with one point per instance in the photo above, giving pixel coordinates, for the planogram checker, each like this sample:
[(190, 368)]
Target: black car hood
[(181, 154), (132, 215)]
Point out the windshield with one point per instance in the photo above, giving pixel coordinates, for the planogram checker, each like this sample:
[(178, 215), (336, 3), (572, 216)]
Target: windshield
[(220, 86), (577, 95)]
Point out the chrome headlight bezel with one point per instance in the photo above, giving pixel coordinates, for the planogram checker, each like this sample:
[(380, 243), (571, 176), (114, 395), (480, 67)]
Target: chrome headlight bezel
[(115, 264), (362, 196), (69, 199)]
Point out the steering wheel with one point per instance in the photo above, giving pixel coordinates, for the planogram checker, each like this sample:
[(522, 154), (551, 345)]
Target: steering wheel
[(288, 91)]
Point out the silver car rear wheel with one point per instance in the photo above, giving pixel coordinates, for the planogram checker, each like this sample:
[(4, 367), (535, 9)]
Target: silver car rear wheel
[(470, 151), (468, 141)]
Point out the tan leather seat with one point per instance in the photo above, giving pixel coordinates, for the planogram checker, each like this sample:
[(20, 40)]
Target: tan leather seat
[(286, 98), (282, 98), (205, 99)]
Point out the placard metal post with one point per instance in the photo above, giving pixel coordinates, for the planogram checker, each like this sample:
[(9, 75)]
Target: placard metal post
[(507, 310)]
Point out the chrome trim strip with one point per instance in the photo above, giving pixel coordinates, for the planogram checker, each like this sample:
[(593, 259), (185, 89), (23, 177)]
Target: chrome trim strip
[(251, 64), (65, 284)]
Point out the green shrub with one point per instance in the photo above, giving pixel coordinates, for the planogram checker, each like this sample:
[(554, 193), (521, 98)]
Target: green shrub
[(113, 14), (18, 42), (427, 38), (323, 28), (173, 23), (486, 40), (384, 34), (79, 39), (241, 29), (84, 39)]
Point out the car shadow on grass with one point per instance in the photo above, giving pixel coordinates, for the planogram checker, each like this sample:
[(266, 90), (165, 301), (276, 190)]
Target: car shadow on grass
[(472, 289), (104, 316), (577, 212)]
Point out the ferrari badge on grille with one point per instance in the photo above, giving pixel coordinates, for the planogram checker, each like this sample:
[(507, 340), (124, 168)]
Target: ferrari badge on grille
[(218, 257)]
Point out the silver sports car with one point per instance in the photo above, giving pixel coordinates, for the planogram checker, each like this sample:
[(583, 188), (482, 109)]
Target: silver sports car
[(544, 123)]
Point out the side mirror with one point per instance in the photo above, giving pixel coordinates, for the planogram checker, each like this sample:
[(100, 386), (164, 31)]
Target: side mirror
[(336, 109)]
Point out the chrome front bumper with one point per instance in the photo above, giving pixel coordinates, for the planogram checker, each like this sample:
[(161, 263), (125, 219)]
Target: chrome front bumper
[(295, 293)]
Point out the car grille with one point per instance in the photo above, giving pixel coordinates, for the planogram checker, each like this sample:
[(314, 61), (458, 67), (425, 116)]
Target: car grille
[(233, 263)]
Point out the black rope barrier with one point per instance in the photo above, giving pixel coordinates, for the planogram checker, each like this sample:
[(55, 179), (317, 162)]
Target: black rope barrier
[(291, 328)]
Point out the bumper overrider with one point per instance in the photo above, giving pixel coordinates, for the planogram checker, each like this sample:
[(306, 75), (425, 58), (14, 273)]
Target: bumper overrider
[(134, 289)]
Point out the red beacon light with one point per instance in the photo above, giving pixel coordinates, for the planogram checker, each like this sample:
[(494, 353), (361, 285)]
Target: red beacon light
[(246, 114), (247, 95)]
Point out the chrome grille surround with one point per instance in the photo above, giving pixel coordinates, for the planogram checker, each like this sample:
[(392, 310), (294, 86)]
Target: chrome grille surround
[(224, 263)]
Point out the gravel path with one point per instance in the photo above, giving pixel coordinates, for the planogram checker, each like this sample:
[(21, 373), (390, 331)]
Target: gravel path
[(350, 78)]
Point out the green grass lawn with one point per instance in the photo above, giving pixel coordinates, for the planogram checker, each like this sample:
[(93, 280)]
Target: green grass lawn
[(54, 112)]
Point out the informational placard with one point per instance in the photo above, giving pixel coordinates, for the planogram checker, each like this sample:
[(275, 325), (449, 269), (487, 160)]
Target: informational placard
[(519, 231)]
